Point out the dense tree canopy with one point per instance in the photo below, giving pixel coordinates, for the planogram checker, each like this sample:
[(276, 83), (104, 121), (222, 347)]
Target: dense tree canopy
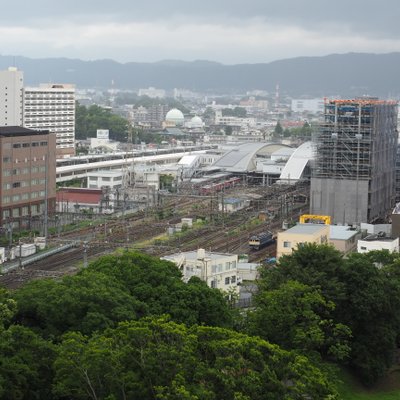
[(128, 327), (89, 119), (366, 295), (159, 359)]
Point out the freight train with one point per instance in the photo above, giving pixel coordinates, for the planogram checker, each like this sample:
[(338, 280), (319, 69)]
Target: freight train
[(261, 240)]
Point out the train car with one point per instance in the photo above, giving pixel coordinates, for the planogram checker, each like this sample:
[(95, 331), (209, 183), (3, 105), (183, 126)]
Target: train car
[(261, 240), (219, 186)]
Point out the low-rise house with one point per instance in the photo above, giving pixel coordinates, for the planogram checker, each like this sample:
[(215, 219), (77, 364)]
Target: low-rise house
[(378, 242), (344, 238), (299, 234), (220, 270), (77, 200)]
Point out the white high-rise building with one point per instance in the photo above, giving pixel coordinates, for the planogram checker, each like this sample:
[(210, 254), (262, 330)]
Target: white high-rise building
[(52, 107), (11, 100)]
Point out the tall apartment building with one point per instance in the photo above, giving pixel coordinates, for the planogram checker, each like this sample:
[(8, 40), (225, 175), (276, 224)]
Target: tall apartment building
[(353, 179), (52, 107), (28, 174), (11, 98)]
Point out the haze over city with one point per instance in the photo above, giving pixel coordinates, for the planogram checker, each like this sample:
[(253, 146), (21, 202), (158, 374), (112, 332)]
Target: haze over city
[(229, 32)]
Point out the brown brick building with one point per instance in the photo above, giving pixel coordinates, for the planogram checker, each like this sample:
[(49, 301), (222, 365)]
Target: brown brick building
[(27, 162)]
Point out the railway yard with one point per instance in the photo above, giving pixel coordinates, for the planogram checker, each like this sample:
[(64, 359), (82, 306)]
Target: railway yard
[(150, 230)]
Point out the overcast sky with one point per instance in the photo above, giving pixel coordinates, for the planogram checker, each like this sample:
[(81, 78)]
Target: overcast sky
[(227, 31)]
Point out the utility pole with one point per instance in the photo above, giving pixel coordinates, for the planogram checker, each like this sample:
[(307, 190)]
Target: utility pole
[(85, 261)]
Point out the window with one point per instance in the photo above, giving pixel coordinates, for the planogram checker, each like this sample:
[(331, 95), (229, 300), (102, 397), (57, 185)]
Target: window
[(106, 179), (25, 196), (213, 284), (16, 171), (16, 185), (287, 244), (7, 172), (43, 143), (25, 170), (6, 159), (15, 212), (17, 145), (35, 144), (16, 197), (7, 186), (35, 170), (25, 210), (6, 199), (363, 248), (227, 266), (6, 214), (26, 145), (233, 279), (227, 280)]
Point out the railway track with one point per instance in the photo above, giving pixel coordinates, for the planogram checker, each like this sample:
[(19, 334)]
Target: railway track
[(229, 234)]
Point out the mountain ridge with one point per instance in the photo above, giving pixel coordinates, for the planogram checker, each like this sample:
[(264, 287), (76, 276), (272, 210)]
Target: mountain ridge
[(350, 74)]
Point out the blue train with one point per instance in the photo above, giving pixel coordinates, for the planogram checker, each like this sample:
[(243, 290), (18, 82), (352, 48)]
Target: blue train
[(257, 242)]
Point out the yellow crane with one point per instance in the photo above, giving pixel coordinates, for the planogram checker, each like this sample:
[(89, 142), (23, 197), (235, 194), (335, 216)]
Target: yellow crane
[(315, 219)]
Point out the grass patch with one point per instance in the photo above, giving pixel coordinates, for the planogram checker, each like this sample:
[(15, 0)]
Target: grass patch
[(388, 388)]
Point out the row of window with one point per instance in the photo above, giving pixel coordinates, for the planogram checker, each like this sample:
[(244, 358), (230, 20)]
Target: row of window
[(36, 209), (105, 178), (23, 196), (23, 171), (25, 160), (28, 144), (14, 185), (220, 267)]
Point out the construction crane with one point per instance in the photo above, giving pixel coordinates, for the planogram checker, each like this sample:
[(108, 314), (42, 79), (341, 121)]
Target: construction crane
[(315, 219)]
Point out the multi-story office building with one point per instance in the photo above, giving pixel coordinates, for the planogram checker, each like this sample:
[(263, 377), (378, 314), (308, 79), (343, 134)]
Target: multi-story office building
[(52, 107), (353, 177), (28, 174), (11, 99)]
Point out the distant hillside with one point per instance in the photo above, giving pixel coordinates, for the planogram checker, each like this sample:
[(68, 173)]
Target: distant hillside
[(337, 74)]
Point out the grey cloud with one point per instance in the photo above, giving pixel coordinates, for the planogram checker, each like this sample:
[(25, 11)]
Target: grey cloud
[(366, 16)]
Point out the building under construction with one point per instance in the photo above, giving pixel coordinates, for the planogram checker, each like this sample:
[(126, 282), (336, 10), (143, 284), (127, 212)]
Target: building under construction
[(353, 179)]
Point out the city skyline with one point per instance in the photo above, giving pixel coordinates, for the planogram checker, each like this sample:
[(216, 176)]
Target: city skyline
[(227, 32)]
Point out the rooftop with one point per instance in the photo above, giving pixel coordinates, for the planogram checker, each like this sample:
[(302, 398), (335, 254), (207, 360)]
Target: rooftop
[(308, 229), (20, 131), (338, 232)]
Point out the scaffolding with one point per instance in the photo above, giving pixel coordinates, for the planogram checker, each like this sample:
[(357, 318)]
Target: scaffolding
[(356, 143), (346, 145)]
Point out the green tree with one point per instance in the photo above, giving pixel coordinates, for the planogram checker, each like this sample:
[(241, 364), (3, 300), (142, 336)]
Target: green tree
[(278, 131), (297, 317), (158, 284), (239, 112), (157, 358), (85, 302), (25, 365), (88, 120), (366, 292)]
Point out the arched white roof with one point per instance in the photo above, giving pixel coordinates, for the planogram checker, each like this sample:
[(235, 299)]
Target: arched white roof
[(175, 116), (242, 158), (294, 168)]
